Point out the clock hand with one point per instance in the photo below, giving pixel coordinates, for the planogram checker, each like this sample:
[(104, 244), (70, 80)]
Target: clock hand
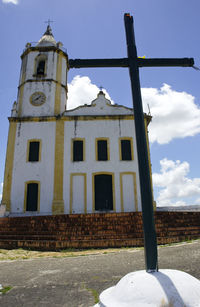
[(37, 98)]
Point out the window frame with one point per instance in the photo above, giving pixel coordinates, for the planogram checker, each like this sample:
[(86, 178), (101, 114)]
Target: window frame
[(108, 148), (131, 148), (113, 190), (72, 149), (28, 150), (72, 175), (133, 174), (26, 192)]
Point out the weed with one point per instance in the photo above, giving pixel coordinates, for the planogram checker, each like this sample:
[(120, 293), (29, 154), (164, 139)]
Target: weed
[(5, 289), (94, 293)]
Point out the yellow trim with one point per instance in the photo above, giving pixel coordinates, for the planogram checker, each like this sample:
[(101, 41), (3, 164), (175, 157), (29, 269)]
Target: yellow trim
[(70, 118), (149, 160), (120, 148), (6, 199), (58, 85), (113, 188), (42, 79), (108, 148), (72, 148), (28, 149), (134, 188), (58, 202), (25, 194), (33, 119), (45, 49), (85, 190)]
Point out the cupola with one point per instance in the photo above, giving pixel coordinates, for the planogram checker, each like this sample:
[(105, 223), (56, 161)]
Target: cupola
[(47, 39)]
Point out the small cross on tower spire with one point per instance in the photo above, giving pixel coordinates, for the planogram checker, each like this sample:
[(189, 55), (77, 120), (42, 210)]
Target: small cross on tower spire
[(49, 22), (48, 30)]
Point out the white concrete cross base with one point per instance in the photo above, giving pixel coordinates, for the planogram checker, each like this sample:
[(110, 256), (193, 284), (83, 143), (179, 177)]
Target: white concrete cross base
[(165, 288)]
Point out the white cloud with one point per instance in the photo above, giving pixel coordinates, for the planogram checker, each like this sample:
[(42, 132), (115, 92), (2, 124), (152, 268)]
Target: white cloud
[(175, 188), (11, 1), (175, 114), (197, 201), (82, 91)]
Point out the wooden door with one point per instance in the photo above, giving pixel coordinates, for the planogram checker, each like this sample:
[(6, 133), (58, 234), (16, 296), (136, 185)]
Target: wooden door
[(32, 197), (103, 192)]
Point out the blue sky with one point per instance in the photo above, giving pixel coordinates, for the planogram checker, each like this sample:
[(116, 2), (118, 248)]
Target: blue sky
[(95, 29)]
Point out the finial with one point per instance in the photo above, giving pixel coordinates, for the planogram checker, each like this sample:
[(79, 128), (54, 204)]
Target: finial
[(101, 90), (49, 21), (48, 30)]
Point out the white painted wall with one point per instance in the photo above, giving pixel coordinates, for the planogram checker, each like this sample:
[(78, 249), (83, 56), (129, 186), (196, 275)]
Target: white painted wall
[(64, 71), (78, 187), (47, 87), (51, 64), (42, 171), (46, 109), (90, 130), (128, 193)]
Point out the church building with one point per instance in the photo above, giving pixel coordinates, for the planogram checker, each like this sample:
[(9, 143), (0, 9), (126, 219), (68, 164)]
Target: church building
[(63, 161)]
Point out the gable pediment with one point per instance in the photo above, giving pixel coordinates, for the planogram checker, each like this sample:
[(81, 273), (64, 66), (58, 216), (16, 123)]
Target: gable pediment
[(99, 106)]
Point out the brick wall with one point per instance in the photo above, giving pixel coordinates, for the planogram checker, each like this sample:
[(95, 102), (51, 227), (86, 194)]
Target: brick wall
[(94, 230)]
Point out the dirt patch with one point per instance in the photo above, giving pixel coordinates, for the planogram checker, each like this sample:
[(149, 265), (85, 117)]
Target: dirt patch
[(22, 254)]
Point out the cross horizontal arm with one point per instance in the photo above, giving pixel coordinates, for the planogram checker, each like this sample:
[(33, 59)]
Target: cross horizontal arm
[(160, 62), (124, 62), (79, 63)]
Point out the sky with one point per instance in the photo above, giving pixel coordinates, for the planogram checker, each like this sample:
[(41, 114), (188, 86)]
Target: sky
[(95, 29)]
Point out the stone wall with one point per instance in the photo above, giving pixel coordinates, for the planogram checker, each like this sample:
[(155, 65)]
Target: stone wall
[(94, 230)]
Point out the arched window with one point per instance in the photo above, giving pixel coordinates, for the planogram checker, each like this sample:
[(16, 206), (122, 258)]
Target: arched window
[(40, 65)]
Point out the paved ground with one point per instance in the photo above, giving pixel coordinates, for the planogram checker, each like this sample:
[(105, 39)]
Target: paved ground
[(75, 281)]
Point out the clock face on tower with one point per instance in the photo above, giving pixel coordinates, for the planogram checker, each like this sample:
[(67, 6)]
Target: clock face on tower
[(37, 98)]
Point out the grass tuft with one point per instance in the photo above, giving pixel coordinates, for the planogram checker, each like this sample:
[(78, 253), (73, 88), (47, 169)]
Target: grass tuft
[(95, 294), (5, 289)]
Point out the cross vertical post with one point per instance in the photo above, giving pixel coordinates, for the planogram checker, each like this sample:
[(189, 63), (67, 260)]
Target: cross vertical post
[(150, 241)]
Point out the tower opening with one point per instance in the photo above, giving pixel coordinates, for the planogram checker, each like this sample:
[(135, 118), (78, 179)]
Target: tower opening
[(41, 67)]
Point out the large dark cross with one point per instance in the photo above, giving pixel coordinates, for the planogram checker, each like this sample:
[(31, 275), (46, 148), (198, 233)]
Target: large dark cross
[(133, 63)]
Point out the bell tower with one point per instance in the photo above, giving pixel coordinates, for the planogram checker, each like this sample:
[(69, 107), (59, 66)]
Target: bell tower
[(42, 87)]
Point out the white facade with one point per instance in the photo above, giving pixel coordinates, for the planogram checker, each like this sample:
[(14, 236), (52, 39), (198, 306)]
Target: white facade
[(41, 171), (63, 184)]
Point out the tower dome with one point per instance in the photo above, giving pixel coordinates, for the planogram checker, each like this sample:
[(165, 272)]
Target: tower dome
[(47, 39)]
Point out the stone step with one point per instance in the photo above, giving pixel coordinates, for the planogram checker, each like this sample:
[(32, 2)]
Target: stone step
[(98, 234), (95, 230), (58, 245), (81, 244)]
